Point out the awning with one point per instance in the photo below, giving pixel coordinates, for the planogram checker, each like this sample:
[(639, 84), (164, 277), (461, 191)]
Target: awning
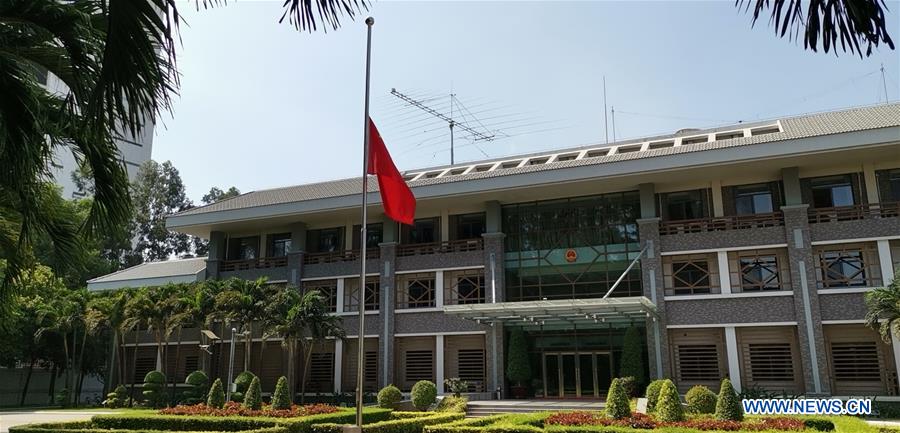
[(559, 312)]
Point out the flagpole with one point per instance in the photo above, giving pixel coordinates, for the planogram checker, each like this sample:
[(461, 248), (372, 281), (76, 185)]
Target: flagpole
[(361, 294)]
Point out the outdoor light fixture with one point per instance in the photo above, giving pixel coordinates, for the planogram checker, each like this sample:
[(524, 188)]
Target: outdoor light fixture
[(209, 334)]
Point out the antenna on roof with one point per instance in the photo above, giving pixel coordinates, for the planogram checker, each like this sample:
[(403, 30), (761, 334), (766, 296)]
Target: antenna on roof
[(614, 123), (884, 84)]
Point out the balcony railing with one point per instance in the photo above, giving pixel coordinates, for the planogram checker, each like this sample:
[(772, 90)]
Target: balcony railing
[(339, 256), (457, 246), (260, 263), (855, 212), (713, 224)]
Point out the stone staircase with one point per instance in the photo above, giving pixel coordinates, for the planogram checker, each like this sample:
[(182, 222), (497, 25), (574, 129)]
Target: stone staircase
[(480, 408)]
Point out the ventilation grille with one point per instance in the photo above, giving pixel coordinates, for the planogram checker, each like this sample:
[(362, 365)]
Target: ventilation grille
[(321, 368), (471, 365), (856, 361), (770, 362), (191, 364), (142, 366), (697, 362), (419, 365)]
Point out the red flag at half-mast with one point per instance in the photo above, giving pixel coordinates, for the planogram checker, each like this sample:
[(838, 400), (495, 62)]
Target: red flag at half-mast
[(396, 197)]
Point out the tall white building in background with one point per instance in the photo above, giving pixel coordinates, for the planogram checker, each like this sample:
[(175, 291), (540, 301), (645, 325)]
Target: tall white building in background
[(135, 150)]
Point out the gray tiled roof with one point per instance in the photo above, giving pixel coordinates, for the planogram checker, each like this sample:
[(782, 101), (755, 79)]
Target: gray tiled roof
[(820, 124), (149, 270)]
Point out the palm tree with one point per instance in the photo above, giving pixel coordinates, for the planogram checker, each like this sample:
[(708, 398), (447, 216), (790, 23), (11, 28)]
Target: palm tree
[(319, 325), (151, 307), (283, 321), (63, 316), (883, 306), (244, 302)]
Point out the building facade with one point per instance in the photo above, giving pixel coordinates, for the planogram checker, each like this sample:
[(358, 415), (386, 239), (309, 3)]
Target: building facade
[(742, 252)]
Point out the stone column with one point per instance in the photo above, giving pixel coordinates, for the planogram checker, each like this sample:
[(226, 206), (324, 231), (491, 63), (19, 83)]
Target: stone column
[(216, 254), (295, 255), (494, 279), (806, 300), (386, 310), (651, 275)]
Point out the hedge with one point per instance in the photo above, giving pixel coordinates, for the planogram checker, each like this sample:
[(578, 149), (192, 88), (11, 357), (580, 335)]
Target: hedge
[(90, 427), (371, 415), (466, 425), (401, 425)]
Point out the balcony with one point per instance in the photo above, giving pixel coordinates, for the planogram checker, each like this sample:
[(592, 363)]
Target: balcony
[(339, 256), (715, 224), (260, 263), (457, 246), (855, 212)]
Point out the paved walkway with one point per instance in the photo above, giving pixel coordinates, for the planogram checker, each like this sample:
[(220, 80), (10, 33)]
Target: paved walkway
[(545, 404), (10, 419)]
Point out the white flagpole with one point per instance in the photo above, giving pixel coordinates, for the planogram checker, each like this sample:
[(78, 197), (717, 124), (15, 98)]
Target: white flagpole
[(361, 294)]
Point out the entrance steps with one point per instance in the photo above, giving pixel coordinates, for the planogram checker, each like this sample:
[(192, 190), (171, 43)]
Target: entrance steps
[(480, 408)]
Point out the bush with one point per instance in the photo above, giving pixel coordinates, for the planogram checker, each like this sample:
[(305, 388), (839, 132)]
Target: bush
[(668, 407), (456, 385), (453, 404), (117, 398), (632, 360), (518, 366), (818, 424), (617, 404), (389, 397), (154, 389), (198, 382), (728, 407), (423, 394), (216, 396), (241, 383), (700, 400), (404, 425), (179, 423), (629, 384), (253, 397), (652, 394), (281, 399)]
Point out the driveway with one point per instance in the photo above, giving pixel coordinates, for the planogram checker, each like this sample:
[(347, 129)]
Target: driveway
[(9, 419)]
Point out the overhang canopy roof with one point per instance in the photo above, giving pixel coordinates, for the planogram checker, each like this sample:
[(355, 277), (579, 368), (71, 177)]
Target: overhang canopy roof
[(559, 312)]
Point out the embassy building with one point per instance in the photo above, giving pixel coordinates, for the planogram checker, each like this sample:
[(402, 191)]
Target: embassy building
[(755, 245)]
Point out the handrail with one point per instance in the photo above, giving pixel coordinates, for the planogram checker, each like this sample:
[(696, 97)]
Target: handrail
[(260, 263), (455, 246), (712, 224), (854, 212), (339, 256)]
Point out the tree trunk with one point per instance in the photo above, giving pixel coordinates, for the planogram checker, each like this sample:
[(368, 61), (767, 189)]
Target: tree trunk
[(81, 366), (177, 358), (27, 381), (291, 373), (108, 386), (80, 384), (67, 366), (248, 344), (307, 357), (53, 373), (133, 370)]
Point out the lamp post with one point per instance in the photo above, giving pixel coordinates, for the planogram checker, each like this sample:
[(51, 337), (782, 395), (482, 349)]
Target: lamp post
[(230, 365)]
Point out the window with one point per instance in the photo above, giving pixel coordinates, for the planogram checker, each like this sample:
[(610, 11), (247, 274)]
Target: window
[(464, 287), (423, 231), (280, 245), (566, 157), (850, 265), (374, 234), (770, 362), (191, 364), (470, 366), (660, 145), (685, 205), (758, 270), (467, 226), (697, 363), (419, 365), (690, 274), (753, 199), (351, 294), (415, 291), (832, 191), (888, 185), (628, 149), (729, 135), (142, 366), (328, 290), (325, 240), (321, 372), (246, 248), (694, 140), (857, 361)]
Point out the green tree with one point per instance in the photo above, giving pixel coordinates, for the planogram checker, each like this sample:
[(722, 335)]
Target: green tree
[(253, 397), (728, 405), (883, 313), (157, 192), (281, 399), (283, 320), (314, 312), (632, 360), (617, 404), (154, 389), (201, 246), (518, 367), (216, 397), (244, 302), (668, 407)]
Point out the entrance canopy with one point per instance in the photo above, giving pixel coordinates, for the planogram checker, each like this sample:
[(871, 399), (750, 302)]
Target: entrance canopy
[(559, 312)]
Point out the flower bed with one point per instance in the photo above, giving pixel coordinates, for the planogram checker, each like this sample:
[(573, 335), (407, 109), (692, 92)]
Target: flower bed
[(236, 409), (642, 421)]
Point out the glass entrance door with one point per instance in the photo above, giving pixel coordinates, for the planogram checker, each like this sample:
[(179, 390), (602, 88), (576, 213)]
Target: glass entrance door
[(576, 374)]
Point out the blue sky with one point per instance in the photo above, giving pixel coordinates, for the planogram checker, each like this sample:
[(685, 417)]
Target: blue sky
[(262, 105)]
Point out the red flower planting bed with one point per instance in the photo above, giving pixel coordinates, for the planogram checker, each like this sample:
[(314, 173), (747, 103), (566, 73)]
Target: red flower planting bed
[(235, 409), (638, 420)]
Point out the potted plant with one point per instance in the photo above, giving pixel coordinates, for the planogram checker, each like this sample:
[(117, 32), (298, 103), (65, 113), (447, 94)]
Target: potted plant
[(518, 367)]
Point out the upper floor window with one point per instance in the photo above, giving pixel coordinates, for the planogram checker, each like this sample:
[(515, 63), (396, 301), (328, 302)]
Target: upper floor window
[(246, 248), (279, 245), (372, 294), (755, 199), (833, 191), (374, 235), (693, 274), (685, 205), (325, 240), (326, 288), (464, 287), (467, 226), (847, 265), (415, 290), (758, 270), (423, 231), (888, 185)]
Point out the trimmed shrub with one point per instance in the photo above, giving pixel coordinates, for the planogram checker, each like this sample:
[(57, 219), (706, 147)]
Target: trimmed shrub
[(453, 404), (629, 384), (456, 385), (253, 397), (518, 366), (668, 407), (281, 399), (728, 407), (389, 397), (632, 360), (154, 389), (700, 400), (818, 424), (117, 398), (403, 425), (198, 382), (617, 404), (241, 383), (216, 396), (423, 394), (652, 394)]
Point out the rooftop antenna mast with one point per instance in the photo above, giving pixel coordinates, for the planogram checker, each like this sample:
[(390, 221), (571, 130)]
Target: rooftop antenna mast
[(884, 84), (451, 122)]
